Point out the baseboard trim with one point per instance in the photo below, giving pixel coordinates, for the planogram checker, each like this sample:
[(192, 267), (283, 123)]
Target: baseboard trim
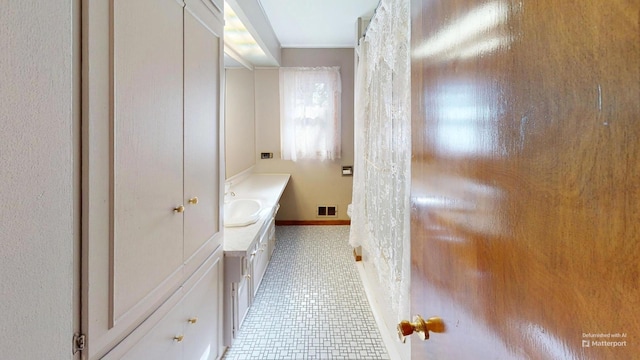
[(312, 222)]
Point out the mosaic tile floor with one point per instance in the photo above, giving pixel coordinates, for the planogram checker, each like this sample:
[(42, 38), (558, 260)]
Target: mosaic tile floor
[(311, 304)]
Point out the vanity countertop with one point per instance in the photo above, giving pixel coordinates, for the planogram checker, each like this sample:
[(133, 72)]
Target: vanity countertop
[(267, 188)]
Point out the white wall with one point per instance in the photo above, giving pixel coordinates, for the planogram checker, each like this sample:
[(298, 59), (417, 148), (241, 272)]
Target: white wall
[(38, 178), (240, 134), (312, 183)]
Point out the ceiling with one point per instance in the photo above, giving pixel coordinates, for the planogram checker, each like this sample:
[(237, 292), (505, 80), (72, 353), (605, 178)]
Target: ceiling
[(277, 24), (316, 23)]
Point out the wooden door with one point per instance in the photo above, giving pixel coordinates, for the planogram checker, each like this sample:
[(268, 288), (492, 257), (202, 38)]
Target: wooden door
[(526, 178), (202, 68)]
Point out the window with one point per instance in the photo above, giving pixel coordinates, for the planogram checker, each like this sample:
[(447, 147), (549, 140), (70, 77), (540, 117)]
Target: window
[(310, 113)]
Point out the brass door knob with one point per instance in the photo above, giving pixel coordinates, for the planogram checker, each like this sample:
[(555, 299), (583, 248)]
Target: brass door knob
[(419, 325), (179, 209), (193, 200), (193, 320), (178, 338)]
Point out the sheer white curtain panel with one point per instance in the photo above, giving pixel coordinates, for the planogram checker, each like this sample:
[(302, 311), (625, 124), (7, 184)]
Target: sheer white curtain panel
[(380, 220), (310, 113)]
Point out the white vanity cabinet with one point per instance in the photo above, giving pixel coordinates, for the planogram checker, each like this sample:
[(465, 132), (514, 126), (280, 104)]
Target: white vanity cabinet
[(152, 171), (248, 249), (243, 274)]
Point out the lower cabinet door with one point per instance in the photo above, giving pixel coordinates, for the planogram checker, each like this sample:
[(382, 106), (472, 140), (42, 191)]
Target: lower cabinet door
[(243, 302), (203, 316), (165, 340), (272, 237), (260, 263), (192, 329)]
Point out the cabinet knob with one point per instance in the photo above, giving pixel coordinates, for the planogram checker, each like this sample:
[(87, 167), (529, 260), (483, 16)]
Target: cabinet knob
[(179, 209), (193, 200), (419, 325), (178, 338), (193, 320)]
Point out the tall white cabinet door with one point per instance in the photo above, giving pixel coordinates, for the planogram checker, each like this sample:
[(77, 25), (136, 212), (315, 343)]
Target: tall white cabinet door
[(202, 53), (147, 179)]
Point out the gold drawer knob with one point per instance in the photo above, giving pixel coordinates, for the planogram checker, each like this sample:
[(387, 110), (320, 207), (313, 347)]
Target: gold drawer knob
[(193, 320), (420, 326), (179, 209), (178, 338), (193, 200)]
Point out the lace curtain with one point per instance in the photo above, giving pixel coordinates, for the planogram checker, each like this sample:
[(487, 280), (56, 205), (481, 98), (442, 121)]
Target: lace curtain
[(381, 185), (310, 113)]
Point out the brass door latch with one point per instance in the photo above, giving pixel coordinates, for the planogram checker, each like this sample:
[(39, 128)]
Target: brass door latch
[(420, 326)]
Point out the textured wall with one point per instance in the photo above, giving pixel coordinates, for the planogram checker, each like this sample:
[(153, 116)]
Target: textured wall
[(37, 179)]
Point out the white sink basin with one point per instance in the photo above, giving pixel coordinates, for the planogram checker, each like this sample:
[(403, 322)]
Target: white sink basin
[(241, 212)]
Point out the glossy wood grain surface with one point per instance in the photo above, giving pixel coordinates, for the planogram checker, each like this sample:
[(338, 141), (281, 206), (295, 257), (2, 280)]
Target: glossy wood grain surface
[(526, 178)]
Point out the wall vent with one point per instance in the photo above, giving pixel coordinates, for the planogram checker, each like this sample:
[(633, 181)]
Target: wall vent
[(327, 211)]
